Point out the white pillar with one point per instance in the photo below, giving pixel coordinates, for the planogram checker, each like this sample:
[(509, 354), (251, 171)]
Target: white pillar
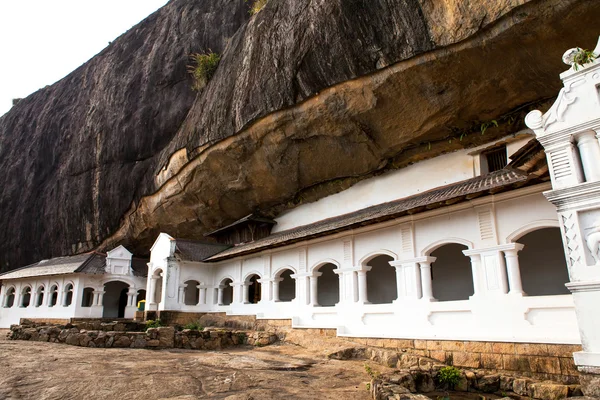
[(101, 298), (131, 295), (202, 295), (220, 295), (276, 282), (475, 272), (426, 283), (362, 285), (181, 293), (589, 150), (513, 269), (314, 298), (151, 300), (245, 292)]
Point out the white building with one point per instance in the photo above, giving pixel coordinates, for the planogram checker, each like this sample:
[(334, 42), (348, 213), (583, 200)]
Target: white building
[(466, 246), (90, 285), (455, 253)]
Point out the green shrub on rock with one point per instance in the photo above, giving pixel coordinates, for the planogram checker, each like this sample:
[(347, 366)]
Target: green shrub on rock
[(203, 68), (449, 376), (153, 324)]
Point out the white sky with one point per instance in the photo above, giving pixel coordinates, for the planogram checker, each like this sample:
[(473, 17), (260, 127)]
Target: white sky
[(42, 41)]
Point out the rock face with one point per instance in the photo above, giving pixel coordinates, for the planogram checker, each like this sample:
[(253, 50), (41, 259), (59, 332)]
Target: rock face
[(122, 148)]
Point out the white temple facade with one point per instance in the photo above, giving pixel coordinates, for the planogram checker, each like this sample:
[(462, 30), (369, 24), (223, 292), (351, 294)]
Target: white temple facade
[(438, 250), (91, 285), (569, 133)]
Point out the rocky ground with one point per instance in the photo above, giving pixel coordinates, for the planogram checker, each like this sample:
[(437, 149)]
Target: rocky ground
[(38, 370)]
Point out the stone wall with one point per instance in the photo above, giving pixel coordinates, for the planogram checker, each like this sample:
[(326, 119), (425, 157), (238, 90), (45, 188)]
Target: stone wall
[(116, 335), (538, 360)]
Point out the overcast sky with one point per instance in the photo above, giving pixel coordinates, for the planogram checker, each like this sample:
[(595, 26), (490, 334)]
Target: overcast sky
[(41, 41)]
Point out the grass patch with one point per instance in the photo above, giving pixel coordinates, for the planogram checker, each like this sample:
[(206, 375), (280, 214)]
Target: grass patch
[(202, 68)]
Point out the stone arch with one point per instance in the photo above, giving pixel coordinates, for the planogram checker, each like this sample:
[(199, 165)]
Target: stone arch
[(191, 292), (368, 257), (451, 272), (530, 227), (286, 285), (328, 284), (68, 294), (39, 295), (115, 299), (227, 291), (25, 296), (317, 266), (253, 288), (53, 295), (443, 242), (157, 275), (11, 293), (542, 263), (87, 297), (381, 279)]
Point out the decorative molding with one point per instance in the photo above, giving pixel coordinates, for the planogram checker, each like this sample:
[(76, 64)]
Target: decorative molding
[(587, 286)]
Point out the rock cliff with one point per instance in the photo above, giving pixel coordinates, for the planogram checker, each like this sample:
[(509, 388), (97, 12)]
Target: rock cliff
[(310, 96)]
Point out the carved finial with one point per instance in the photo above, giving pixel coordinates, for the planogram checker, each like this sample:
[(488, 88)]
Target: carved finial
[(534, 120), (569, 56)]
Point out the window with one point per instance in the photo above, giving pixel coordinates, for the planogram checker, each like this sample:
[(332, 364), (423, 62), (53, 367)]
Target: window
[(493, 160)]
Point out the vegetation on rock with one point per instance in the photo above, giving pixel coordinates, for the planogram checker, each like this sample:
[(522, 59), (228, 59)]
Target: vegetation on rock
[(449, 376), (257, 5), (194, 326), (203, 67), (153, 324)]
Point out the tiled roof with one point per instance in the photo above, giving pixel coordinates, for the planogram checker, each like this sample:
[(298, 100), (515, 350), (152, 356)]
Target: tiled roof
[(89, 263), (59, 266), (247, 218), (438, 197), (192, 250)]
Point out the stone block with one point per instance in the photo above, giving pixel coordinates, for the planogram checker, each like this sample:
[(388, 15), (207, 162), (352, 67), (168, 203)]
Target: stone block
[(407, 360), (567, 366), (404, 379), (139, 342), (439, 355), (515, 363), (451, 345), (590, 384), (531, 349), (109, 341), (491, 361), (521, 386), (478, 347), (506, 383), (489, 383), (467, 360), (549, 365), (72, 339), (434, 345), (166, 336), (199, 343), (122, 341), (549, 391), (503, 348), (563, 350), (423, 382), (462, 385), (420, 344), (152, 343), (84, 340)]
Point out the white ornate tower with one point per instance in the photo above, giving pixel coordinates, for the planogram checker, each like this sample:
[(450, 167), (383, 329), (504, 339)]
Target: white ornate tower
[(569, 133)]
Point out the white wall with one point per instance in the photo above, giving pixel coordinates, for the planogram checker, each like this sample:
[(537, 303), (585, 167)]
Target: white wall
[(413, 179), (408, 241)]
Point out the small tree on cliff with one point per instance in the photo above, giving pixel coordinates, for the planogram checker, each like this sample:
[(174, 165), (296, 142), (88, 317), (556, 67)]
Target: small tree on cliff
[(202, 68)]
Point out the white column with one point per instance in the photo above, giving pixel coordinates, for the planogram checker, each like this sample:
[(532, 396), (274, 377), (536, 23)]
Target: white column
[(314, 288), (589, 150), (220, 295), (276, 282), (426, 283), (202, 296), (475, 272), (513, 269), (101, 298), (151, 300), (131, 295), (399, 281), (181, 293), (362, 285), (244, 288)]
